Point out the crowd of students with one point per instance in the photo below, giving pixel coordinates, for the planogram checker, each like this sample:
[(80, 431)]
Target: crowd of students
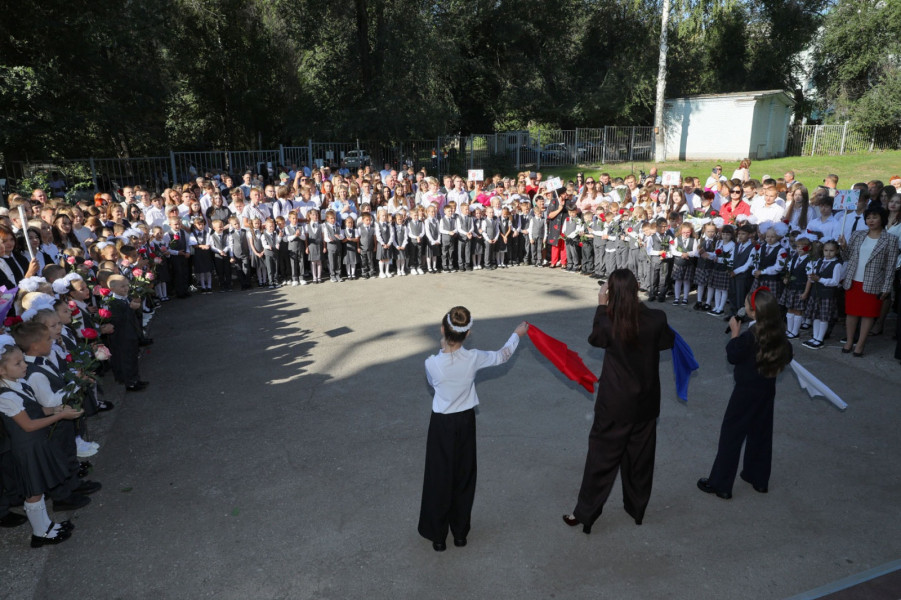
[(87, 273)]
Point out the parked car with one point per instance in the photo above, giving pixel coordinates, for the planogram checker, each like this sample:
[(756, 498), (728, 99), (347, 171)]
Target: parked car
[(555, 152), (356, 159)]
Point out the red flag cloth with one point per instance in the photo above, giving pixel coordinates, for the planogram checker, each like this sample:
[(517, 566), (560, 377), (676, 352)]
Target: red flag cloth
[(568, 361)]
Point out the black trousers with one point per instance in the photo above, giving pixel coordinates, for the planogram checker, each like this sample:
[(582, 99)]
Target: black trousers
[(739, 286), (449, 486), (447, 254), (223, 267), (242, 268), (749, 421), (295, 260), (659, 273), (615, 447), (367, 260), (181, 275)]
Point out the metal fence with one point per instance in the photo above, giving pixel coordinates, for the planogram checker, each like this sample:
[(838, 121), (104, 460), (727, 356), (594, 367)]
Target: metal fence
[(830, 140)]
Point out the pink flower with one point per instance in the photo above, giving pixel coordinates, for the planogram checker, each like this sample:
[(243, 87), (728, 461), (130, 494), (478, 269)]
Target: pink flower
[(157, 260), (137, 272), (70, 260), (104, 313), (105, 292), (672, 242), (149, 276), (89, 263), (101, 352)]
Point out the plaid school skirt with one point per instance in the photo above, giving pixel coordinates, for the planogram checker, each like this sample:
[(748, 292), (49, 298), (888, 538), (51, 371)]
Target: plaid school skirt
[(683, 272), (719, 279), (822, 309), (703, 273), (791, 299), (774, 283)]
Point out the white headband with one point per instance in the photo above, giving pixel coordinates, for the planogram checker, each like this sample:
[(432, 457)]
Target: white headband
[(31, 284), (42, 302), (457, 328), (6, 341)]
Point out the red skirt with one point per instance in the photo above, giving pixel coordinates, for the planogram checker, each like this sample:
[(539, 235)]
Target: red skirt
[(858, 303)]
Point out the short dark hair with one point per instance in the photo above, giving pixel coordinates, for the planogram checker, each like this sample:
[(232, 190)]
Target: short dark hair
[(877, 210)]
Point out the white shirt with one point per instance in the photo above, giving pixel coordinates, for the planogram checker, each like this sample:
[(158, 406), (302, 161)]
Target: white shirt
[(847, 224), (11, 404), (830, 228), (772, 212), (452, 375), (866, 251), (43, 393)]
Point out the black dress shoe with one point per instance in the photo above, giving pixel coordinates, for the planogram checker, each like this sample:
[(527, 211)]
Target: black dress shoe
[(573, 521), (757, 488), (136, 387), (66, 525), (12, 520), (104, 406), (39, 541), (84, 468), (439, 546), (146, 342), (88, 487), (704, 486), (459, 542), (73, 502)]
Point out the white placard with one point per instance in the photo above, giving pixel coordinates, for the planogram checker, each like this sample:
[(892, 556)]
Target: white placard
[(476, 175), (554, 183), (671, 178), (846, 200)]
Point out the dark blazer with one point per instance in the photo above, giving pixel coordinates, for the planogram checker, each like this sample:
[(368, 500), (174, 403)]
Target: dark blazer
[(23, 264), (629, 387)]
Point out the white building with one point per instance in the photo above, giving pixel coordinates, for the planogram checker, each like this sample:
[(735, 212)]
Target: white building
[(728, 126)]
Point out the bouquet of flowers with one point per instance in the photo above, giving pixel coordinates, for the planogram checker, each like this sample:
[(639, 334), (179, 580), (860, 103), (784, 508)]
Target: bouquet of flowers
[(142, 282)]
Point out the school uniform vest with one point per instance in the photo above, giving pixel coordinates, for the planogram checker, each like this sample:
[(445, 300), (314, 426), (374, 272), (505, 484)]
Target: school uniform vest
[(798, 273), (432, 224), (768, 256), (297, 243), (201, 236), (350, 232), (416, 227), (826, 270), (239, 246), (569, 226), (385, 231), (465, 224), (400, 235), (367, 238), (40, 365), (709, 246), (490, 228), (17, 436), (257, 240), (504, 224), (686, 246), (272, 240), (219, 242), (333, 242), (536, 227), (447, 224), (314, 234), (178, 242), (742, 254), (659, 243)]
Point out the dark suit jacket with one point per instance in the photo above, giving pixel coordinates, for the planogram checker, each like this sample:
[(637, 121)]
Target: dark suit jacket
[(23, 264), (629, 387)]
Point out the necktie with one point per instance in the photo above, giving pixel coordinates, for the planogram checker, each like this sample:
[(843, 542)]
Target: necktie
[(856, 221)]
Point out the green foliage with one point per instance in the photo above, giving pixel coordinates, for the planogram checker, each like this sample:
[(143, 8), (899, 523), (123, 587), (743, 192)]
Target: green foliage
[(99, 77), (857, 62)]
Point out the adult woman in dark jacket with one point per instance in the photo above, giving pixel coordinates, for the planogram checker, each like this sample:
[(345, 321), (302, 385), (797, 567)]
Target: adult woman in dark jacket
[(870, 256), (759, 354), (624, 433)]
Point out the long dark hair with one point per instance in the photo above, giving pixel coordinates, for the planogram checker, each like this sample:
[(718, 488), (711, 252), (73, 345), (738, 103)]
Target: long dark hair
[(769, 331), (623, 305), (802, 206)]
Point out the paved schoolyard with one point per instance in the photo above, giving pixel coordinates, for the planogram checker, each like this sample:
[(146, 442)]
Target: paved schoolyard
[(279, 453)]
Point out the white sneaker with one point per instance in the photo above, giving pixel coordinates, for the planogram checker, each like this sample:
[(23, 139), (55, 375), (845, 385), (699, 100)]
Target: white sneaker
[(304, 282), (382, 276), (419, 272), (294, 284)]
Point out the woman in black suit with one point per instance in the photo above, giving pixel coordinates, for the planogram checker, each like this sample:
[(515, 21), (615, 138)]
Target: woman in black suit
[(759, 354), (623, 436)]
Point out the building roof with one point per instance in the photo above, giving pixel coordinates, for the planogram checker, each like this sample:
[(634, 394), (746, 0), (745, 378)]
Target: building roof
[(789, 99)]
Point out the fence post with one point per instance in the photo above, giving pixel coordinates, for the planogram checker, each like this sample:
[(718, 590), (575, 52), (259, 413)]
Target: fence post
[(310, 153), (632, 144), (816, 133), (576, 148), (94, 175), (844, 133), (518, 146), (538, 163), (281, 155), (172, 162), (604, 147)]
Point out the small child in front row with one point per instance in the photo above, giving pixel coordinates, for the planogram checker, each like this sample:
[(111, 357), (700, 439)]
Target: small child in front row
[(271, 240), (433, 239), (415, 232), (334, 240), (257, 251), (202, 256), (797, 287), (314, 244), (704, 268), (384, 239), (683, 249), (351, 247), (367, 246), (40, 466), (826, 276), (126, 336), (400, 243), (723, 259)]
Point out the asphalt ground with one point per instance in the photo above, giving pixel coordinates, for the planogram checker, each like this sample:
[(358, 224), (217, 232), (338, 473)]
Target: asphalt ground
[(279, 453)]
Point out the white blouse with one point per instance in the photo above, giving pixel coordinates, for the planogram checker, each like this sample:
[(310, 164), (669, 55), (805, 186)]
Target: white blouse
[(452, 375), (11, 404)]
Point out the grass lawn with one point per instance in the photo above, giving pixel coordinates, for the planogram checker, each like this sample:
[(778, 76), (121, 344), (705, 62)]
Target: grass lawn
[(809, 170)]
